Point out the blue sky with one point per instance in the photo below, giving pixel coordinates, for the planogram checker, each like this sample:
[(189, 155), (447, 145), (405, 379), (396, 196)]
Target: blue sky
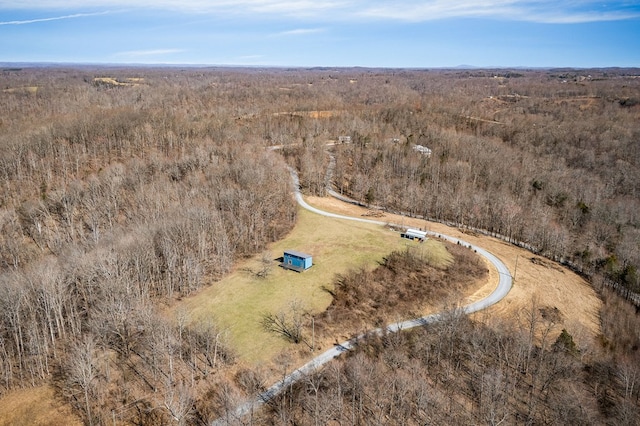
[(368, 33)]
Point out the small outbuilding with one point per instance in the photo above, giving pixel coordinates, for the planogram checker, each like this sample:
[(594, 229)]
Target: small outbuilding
[(414, 234), (296, 260), (422, 150)]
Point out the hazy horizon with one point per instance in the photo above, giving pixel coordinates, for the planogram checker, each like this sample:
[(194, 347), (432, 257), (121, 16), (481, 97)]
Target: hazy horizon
[(302, 33)]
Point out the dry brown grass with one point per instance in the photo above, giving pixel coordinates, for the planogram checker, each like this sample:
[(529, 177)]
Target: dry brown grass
[(130, 81), (35, 406), (406, 285), (551, 285), (25, 89), (312, 114)]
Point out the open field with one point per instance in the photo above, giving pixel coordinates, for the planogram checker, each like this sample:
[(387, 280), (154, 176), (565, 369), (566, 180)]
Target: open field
[(129, 81), (237, 302), (311, 114), (24, 89)]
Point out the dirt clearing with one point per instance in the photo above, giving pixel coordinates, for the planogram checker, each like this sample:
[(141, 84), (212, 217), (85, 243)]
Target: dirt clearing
[(35, 406), (549, 284)]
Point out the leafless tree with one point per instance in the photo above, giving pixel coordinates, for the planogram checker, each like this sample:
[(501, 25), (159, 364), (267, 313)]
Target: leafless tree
[(81, 372), (288, 323)]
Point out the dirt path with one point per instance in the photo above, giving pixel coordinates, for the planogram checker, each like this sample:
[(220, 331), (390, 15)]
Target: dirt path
[(500, 290), (542, 287), (536, 278)]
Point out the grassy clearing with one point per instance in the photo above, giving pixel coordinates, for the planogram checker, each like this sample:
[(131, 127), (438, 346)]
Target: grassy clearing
[(130, 81), (25, 89), (311, 114), (237, 302)]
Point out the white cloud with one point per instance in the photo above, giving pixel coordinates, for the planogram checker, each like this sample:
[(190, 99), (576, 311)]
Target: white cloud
[(578, 18), (438, 9), (543, 11), (300, 31), (287, 7), (551, 11), (54, 18)]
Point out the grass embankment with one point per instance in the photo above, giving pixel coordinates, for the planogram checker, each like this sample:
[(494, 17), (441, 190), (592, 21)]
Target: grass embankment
[(237, 303)]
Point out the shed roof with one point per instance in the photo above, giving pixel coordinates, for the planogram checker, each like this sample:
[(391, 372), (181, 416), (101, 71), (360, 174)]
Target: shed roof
[(297, 254), (416, 232)]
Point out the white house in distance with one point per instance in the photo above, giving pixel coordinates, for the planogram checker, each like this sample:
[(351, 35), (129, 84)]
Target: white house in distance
[(422, 150)]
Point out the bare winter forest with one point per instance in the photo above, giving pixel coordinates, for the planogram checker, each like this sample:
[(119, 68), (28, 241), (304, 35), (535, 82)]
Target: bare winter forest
[(123, 190)]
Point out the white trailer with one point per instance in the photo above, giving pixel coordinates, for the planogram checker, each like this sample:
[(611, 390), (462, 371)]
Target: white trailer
[(414, 234)]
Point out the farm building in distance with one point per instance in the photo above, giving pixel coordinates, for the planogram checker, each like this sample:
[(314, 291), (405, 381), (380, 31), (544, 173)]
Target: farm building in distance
[(296, 260), (414, 234), (422, 150)]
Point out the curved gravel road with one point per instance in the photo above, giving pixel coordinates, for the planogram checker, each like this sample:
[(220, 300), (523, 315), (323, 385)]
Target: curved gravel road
[(502, 289)]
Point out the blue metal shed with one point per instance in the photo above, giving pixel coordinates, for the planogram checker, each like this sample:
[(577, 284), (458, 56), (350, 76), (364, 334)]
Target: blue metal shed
[(296, 260)]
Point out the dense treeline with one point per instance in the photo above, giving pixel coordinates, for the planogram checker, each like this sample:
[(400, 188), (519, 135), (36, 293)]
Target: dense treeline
[(123, 189), (462, 372), (524, 370), (539, 159), (115, 199)]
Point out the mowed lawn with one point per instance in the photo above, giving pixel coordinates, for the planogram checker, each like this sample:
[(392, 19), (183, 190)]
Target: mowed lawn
[(237, 303)]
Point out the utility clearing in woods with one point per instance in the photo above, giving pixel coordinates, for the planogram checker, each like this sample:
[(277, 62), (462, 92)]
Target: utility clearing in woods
[(238, 302)]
